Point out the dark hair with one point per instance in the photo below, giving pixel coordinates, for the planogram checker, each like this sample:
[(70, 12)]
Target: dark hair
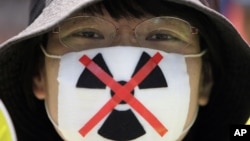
[(28, 113)]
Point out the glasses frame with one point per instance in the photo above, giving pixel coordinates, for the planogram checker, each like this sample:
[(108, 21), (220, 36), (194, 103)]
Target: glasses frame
[(57, 30)]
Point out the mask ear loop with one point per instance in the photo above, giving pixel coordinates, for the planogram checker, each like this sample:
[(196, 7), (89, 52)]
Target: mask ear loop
[(185, 130), (49, 55), (49, 116), (51, 120), (195, 55)]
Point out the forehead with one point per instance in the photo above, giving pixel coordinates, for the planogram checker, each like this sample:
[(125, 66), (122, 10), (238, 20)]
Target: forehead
[(133, 10), (104, 14)]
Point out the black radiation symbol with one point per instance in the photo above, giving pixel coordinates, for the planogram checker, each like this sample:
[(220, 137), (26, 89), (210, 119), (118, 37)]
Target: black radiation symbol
[(122, 125)]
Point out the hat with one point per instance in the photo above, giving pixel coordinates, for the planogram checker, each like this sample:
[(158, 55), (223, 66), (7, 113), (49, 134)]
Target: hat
[(57, 10), (231, 90)]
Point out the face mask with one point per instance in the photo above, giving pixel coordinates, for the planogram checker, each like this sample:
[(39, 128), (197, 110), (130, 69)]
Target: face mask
[(122, 93)]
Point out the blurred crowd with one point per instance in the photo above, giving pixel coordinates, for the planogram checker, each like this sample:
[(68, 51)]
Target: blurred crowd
[(238, 11)]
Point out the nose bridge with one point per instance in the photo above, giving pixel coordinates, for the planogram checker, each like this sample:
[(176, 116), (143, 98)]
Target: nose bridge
[(125, 36)]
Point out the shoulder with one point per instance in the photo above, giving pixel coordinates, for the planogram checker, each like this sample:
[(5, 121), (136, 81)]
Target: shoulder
[(7, 132)]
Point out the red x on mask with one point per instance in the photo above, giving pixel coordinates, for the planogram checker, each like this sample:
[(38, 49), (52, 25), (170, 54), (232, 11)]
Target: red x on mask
[(123, 93)]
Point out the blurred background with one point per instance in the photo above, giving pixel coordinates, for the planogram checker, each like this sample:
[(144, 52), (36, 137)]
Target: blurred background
[(238, 11), (14, 16)]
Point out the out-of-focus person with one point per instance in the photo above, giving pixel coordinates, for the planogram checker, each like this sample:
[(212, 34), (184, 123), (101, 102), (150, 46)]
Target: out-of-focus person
[(238, 11)]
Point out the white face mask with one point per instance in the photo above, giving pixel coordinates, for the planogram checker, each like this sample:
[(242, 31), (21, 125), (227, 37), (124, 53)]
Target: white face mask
[(150, 99)]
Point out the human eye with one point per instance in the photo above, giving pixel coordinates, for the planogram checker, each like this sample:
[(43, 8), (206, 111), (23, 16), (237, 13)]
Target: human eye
[(87, 34), (164, 36), (161, 37)]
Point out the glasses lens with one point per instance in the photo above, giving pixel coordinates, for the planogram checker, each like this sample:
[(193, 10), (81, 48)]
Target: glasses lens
[(81, 33), (164, 32)]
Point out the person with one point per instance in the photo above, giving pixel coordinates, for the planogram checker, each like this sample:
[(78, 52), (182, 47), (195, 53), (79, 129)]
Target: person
[(125, 70)]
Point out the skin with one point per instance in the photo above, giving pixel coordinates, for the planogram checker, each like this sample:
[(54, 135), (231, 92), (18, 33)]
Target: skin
[(46, 85)]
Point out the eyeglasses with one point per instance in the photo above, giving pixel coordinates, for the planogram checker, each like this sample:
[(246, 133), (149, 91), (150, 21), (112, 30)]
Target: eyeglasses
[(81, 32)]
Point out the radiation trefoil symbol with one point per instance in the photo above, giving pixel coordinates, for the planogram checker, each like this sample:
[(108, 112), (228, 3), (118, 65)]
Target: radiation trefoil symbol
[(122, 125)]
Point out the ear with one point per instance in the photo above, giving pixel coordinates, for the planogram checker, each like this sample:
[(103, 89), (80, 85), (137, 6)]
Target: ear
[(206, 83), (39, 86)]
